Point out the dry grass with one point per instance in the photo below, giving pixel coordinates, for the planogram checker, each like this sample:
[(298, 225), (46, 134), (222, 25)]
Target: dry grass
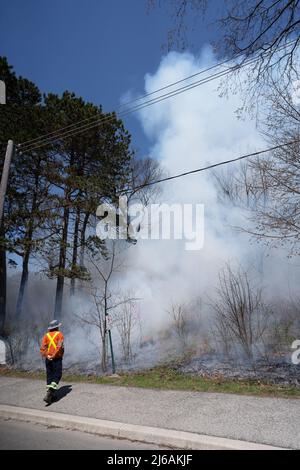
[(166, 378)]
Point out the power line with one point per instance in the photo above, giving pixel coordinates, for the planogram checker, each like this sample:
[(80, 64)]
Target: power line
[(106, 119), (236, 56), (146, 95), (214, 165), (158, 99), (39, 142), (198, 170), (170, 94)]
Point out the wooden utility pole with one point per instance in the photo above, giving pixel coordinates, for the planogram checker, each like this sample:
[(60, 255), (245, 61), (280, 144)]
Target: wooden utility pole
[(3, 187), (4, 177)]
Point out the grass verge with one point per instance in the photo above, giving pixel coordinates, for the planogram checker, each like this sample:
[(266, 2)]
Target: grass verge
[(166, 378)]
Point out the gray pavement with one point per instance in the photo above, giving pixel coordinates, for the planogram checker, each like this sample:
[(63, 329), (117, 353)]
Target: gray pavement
[(273, 421), (15, 435)]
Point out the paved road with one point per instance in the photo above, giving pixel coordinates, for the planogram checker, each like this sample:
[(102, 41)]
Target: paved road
[(27, 436), (273, 421)]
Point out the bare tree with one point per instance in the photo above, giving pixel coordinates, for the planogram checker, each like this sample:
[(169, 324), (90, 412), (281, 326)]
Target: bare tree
[(18, 339), (105, 297), (96, 318), (285, 325), (240, 313), (247, 27), (188, 327), (180, 11), (99, 289), (144, 171), (179, 323), (222, 336), (126, 319), (268, 187), (276, 216), (233, 186)]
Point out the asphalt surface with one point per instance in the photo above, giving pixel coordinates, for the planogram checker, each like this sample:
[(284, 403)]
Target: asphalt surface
[(273, 421), (16, 435)]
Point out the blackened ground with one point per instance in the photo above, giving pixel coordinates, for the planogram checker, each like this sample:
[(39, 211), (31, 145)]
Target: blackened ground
[(274, 371)]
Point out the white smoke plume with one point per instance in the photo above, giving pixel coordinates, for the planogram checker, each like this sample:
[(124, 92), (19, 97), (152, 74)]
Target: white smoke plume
[(189, 131)]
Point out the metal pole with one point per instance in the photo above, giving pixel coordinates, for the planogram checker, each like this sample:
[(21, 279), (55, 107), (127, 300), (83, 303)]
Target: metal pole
[(4, 177), (112, 353)]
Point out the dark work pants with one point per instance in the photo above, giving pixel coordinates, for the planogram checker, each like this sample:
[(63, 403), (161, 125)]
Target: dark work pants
[(53, 370)]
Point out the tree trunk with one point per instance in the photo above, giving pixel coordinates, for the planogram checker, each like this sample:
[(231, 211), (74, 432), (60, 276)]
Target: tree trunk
[(82, 238), (25, 270), (75, 249), (82, 242), (61, 266), (28, 238), (23, 283)]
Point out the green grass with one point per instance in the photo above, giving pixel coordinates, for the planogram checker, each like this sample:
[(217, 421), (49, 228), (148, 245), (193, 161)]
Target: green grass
[(166, 378)]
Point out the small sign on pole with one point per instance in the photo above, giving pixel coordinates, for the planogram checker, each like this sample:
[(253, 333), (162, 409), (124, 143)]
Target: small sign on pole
[(108, 322), (2, 352), (2, 92)]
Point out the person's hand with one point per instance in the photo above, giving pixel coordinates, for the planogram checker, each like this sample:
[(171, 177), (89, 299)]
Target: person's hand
[(49, 357)]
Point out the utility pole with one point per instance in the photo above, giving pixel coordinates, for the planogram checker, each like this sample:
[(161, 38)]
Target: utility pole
[(4, 177), (3, 187)]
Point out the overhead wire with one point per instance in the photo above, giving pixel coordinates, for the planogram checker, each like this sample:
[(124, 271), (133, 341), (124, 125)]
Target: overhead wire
[(69, 133), (107, 119), (127, 103), (213, 165), (143, 105)]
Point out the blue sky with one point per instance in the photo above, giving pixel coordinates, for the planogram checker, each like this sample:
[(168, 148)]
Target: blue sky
[(100, 49)]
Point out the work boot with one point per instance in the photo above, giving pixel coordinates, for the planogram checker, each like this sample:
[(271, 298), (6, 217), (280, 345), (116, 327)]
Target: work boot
[(53, 387), (49, 396)]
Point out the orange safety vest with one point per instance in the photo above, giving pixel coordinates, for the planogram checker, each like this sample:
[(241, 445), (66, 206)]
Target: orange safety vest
[(52, 344)]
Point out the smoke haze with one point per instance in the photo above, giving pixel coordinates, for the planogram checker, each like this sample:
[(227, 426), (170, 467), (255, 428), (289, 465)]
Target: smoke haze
[(189, 131)]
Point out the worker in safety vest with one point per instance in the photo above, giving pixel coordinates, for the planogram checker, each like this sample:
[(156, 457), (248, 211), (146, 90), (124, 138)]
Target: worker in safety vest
[(52, 349)]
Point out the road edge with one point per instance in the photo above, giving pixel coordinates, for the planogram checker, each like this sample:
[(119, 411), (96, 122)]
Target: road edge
[(133, 432)]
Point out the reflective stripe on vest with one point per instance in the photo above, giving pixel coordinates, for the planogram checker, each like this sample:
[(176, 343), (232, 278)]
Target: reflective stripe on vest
[(51, 339)]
